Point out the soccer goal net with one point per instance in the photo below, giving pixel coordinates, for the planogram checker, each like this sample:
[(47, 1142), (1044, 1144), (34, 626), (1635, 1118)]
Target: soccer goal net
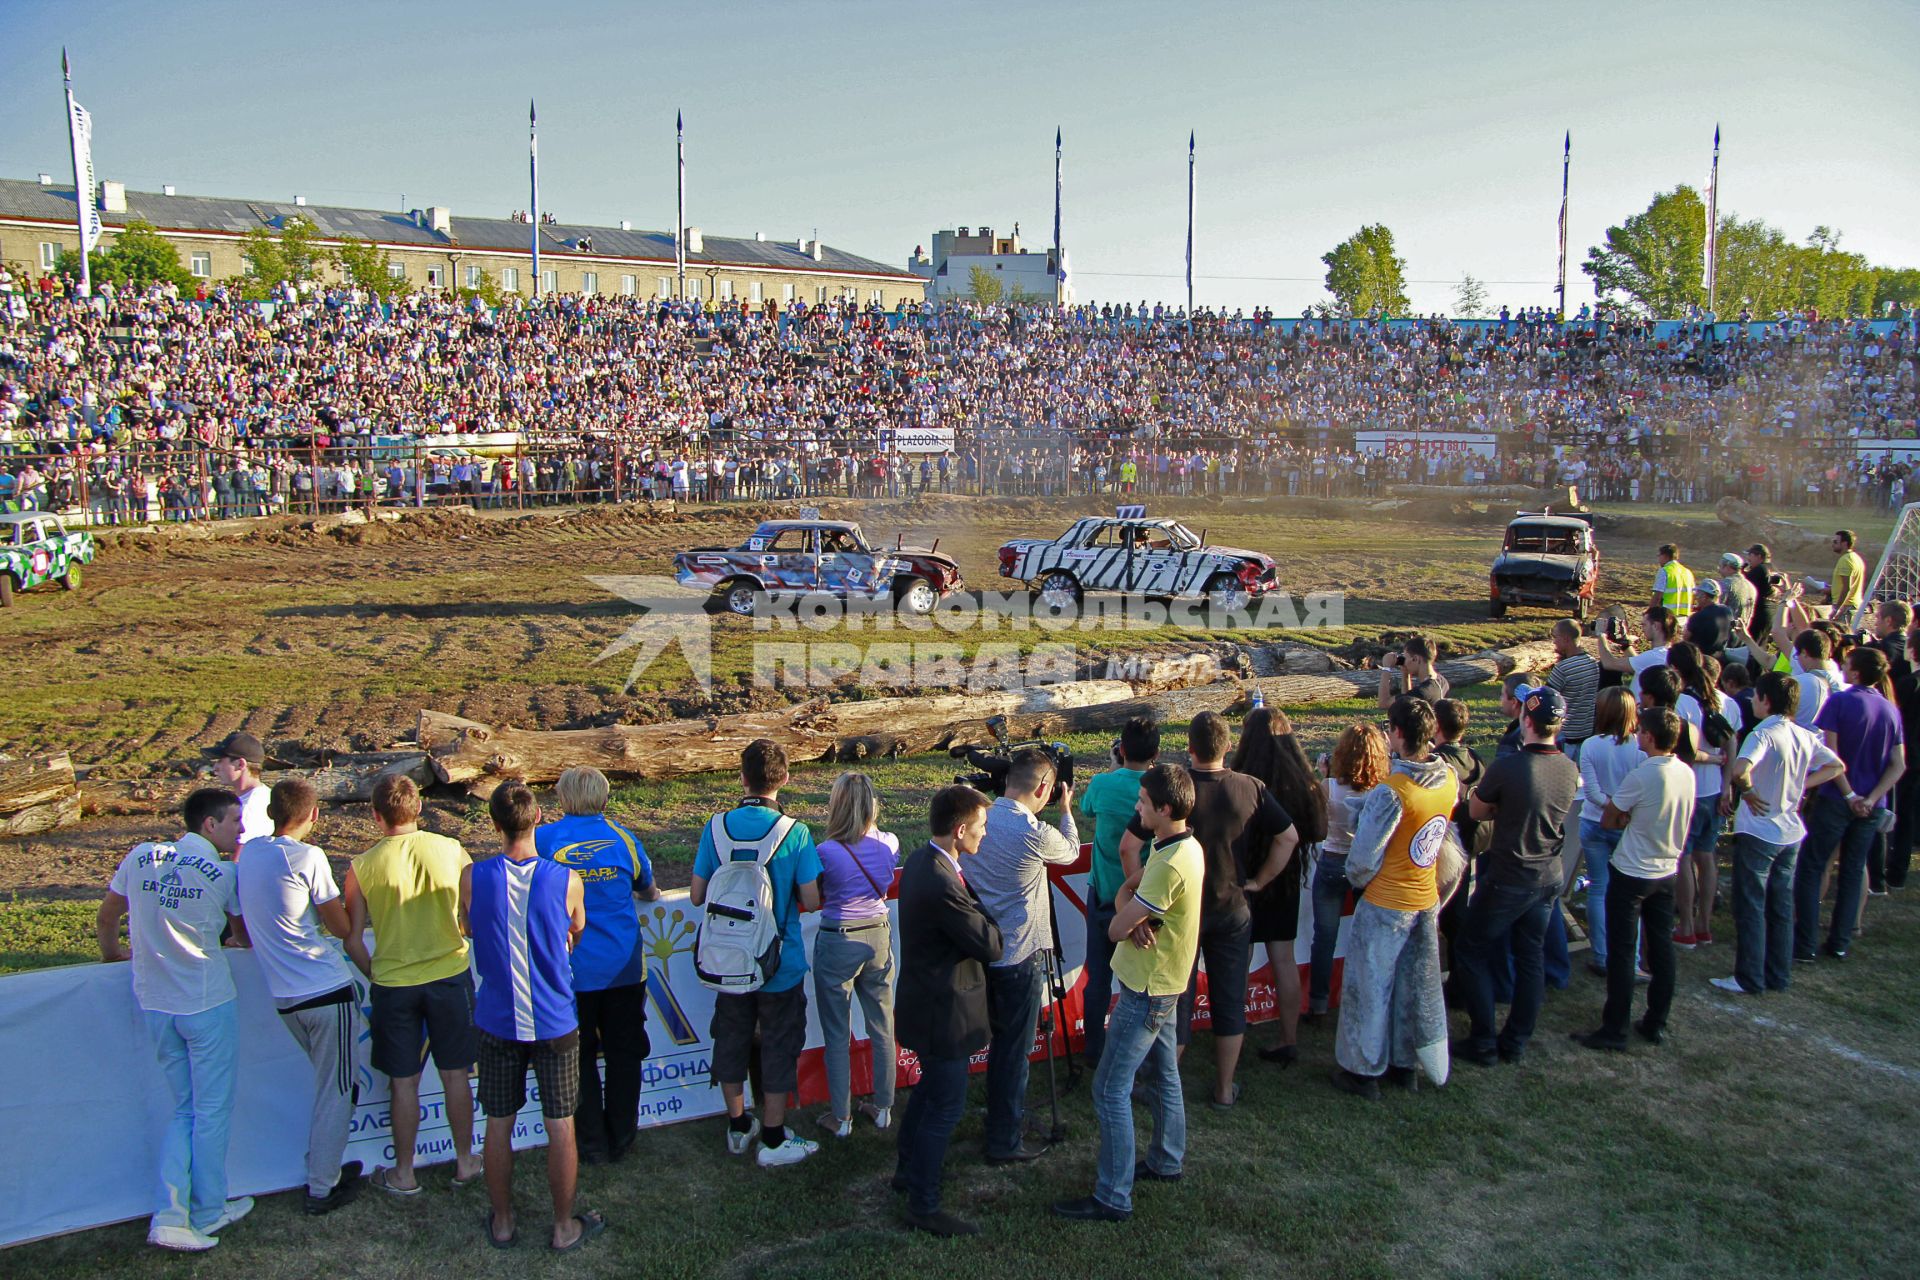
[(1897, 576)]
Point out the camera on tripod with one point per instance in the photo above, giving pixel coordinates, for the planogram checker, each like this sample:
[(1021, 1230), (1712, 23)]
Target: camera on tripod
[(993, 764)]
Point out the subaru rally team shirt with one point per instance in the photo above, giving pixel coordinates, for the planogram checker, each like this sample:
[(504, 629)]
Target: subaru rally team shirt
[(178, 896), (613, 866), (797, 862)]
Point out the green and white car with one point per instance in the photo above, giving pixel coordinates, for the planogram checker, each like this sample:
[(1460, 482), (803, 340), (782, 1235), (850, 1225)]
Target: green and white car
[(35, 549)]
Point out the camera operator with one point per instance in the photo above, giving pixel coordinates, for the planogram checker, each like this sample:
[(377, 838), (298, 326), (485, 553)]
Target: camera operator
[(1109, 802), (1660, 626), (1411, 671), (1010, 875)]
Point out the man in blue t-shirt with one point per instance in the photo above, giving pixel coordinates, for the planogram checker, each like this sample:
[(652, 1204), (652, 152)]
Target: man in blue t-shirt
[(609, 965), (1109, 802), (778, 1010)]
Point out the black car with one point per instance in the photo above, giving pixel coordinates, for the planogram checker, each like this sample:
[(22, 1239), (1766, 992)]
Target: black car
[(1549, 560)]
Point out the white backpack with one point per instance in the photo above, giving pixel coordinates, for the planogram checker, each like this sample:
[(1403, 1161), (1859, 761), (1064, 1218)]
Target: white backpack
[(737, 947)]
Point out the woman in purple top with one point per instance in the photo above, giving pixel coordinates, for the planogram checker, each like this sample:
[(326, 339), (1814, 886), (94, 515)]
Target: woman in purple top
[(853, 952)]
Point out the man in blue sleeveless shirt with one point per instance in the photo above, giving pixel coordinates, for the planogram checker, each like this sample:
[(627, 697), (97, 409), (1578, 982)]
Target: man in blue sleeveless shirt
[(524, 914)]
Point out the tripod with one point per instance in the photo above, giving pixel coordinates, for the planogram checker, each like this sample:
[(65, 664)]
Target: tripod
[(1052, 1019)]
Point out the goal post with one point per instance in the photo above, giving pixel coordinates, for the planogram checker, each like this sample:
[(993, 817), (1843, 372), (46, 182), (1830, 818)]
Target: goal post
[(1897, 576)]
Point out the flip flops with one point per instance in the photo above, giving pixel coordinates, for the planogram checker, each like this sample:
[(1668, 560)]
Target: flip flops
[(486, 1225), (379, 1179), (591, 1226)]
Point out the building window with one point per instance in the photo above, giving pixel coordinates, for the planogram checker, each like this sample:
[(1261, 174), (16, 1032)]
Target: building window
[(851, 293), (474, 276), (666, 286), (629, 286), (878, 298), (202, 265), (590, 282), (820, 294), (753, 291), (726, 291), (436, 277), (397, 270), (510, 279), (786, 293), (693, 288), (549, 281), (49, 254)]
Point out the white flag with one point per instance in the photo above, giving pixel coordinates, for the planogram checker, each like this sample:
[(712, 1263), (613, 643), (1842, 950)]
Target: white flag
[(87, 193)]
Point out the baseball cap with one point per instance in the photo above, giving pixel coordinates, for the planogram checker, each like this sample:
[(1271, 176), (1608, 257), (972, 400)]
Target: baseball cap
[(238, 743), (1709, 588), (1731, 558), (1541, 705)]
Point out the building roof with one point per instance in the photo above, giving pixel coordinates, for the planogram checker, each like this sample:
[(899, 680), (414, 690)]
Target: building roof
[(54, 204)]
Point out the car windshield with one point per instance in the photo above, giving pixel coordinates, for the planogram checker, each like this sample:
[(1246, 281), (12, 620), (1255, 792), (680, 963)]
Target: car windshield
[(1545, 539), (1181, 537)]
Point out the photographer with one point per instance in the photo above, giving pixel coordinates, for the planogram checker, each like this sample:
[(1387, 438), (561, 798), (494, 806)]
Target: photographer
[(1660, 626), (1411, 671), (1108, 803), (1010, 875)]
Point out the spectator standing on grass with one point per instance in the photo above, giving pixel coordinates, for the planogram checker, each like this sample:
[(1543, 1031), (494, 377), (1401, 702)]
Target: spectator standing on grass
[(1010, 874), (609, 965), (1450, 719), (406, 887), (1411, 672), (177, 896), (771, 1021), (1157, 929), (1108, 803), (1888, 629), (1766, 594), (1849, 583), (236, 763), (1358, 764), (1710, 716), (1660, 628), (1813, 667), (1575, 677), (1612, 753), (1393, 1017), (853, 950), (1672, 583), (1709, 628), (1528, 797), (525, 913), (1652, 808), (1737, 594), (946, 940), (1777, 765), (1906, 794), (288, 897)]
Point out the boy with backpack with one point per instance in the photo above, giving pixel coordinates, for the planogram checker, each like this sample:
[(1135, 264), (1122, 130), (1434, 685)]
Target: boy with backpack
[(755, 871)]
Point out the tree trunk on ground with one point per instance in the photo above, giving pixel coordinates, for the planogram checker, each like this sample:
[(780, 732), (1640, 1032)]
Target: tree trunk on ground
[(346, 780), (34, 819), (35, 780)]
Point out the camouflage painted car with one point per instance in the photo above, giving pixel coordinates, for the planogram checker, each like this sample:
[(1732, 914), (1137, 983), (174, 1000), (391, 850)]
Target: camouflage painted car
[(808, 555), (35, 549)]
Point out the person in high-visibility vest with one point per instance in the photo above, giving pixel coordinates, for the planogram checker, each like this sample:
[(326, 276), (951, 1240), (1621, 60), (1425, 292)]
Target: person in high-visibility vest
[(1673, 583)]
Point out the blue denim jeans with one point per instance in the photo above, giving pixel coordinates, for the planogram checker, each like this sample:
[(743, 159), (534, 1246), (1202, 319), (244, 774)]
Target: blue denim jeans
[(1098, 992), (1830, 826), (1330, 889), (1494, 910), (1013, 1011), (933, 1110), (197, 1052), (1140, 1035), (1763, 889), (1597, 845)]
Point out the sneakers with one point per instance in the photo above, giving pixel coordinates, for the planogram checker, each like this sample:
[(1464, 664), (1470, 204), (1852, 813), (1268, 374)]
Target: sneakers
[(236, 1209), (181, 1239), (882, 1117), (345, 1191), (835, 1125), (1703, 939), (1730, 985), (738, 1143), (792, 1151)]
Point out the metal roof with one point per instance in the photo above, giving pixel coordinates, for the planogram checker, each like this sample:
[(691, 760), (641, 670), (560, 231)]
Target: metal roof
[(22, 199)]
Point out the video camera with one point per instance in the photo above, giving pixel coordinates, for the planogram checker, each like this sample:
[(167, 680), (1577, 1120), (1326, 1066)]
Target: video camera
[(993, 765)]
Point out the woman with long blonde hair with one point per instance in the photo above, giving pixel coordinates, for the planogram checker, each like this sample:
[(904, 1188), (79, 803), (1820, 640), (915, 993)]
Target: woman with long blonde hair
[(853, 952)]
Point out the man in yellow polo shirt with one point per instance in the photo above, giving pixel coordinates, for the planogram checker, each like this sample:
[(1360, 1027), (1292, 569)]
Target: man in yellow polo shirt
[(406, 888), (1849, 579), (1157, 926)]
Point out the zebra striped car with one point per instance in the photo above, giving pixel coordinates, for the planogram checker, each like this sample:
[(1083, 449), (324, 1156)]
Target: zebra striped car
[(1132, 554)]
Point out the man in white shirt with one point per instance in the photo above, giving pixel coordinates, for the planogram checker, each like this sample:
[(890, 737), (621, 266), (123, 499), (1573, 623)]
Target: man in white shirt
[(236, 763), (1659, 626), (1653, 809), (1780, 763), (287, 893), (1818, 678), (178, 897)]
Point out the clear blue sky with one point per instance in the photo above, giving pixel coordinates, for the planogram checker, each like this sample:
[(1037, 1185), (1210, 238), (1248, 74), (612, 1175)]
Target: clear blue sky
[(879, 122)]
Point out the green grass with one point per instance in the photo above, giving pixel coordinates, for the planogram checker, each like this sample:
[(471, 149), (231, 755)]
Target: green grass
[(39, 935)]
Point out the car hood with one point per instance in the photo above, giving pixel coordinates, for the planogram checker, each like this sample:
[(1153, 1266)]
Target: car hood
[(1538, 565), (922, 553), (1241, 553)]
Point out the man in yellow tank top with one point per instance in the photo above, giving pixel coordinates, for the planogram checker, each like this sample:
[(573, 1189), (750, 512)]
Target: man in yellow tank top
[(1393, 1018)]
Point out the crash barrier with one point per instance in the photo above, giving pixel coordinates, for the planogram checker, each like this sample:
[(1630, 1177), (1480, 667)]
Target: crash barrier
[(88, 1106)]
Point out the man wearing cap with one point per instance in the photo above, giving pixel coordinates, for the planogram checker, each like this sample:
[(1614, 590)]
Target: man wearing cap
[(236, 763), (1527, 796), (1736, 593), (1710, 625)]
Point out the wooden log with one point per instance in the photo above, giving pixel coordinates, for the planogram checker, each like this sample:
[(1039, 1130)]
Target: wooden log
[(349, 780), (34, 781), (61, 812)]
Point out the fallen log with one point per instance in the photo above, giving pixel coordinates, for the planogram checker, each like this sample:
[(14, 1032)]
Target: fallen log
[(1783, 537), (35, 781), (62, 812)]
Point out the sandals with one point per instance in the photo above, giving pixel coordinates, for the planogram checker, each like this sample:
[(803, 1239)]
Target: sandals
[(1233, 1099), (591, 1226), (486, 1225), (379, 1179)]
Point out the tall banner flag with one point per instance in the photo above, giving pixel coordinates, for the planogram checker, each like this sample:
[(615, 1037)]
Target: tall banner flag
[(1713, 224), (533, 179), (1566, 162), (1190, 227), (85, 197), (1059, 249), (680, 206)]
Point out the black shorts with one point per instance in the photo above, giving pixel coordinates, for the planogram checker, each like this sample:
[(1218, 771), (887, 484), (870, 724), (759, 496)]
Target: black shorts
[(1227, 946), (503, 1075), (405, 1021), (774, 1020)]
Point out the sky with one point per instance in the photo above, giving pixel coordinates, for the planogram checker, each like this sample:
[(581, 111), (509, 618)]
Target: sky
[(879, 122)]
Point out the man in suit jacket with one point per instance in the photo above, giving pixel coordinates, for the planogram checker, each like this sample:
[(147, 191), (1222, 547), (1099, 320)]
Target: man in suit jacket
[(940, 1009)]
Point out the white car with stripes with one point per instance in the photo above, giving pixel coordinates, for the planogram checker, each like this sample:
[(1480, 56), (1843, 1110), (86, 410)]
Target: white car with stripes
[(1130, 553)]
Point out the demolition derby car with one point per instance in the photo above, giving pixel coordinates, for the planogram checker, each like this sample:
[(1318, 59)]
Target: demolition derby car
[(36, 548), (1547, 559), (814, 555), (1129, 553)]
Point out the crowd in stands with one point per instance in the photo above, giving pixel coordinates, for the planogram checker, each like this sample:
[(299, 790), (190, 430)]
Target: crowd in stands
[(628, 397)]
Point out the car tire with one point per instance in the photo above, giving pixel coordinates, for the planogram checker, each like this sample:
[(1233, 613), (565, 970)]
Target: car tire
[(70, 580), (1225, 592), (1582, 608), (739, 597), (6, 590), (1497, 610), (1057, 591), (915, 596)]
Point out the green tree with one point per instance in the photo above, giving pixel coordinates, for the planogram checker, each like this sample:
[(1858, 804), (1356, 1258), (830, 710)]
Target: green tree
[(1365, 277), (488, 291), (138, 257), (367, 266), (294, 256), (1657, 258), (1897, 287), (1755, 268), (984, 286), (1469, 299)]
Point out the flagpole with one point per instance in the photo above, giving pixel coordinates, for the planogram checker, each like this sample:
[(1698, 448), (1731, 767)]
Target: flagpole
[(680, 205), (1059, 249), (81, 190), (1566, 164), (533, 178), (1190, 149), (1713, 226)]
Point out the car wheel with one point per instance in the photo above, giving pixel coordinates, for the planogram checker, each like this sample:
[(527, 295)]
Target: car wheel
[(6, 590), (1225, 593), (740, 597), (71, 579), (1497, 610), (1059, 591), (916, 596)]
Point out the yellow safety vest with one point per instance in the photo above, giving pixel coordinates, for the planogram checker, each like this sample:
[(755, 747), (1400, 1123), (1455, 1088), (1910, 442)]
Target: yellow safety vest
[(1678, 594)]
